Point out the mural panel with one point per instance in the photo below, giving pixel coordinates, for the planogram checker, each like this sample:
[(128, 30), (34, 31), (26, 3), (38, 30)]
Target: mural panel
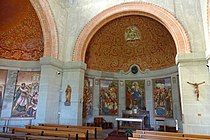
[(135, 94), (26, 94), (88, 98), (3, 77), (162, 95), (108, 99)]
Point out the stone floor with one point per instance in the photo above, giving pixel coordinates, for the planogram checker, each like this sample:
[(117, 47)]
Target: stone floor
[(102, 135)]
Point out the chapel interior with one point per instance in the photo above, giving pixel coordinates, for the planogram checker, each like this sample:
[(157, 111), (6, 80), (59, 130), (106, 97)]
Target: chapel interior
[(92, 63)]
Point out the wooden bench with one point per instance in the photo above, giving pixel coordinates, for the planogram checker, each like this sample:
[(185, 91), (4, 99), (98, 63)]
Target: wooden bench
[(39, 132), (173, 134), (161, 137), (87, 131), (201, 136), (89, 128), (160, 133), (71, 126), (26, 137)]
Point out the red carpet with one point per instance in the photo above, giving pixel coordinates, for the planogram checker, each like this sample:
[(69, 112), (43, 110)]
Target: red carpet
[(114, 136)]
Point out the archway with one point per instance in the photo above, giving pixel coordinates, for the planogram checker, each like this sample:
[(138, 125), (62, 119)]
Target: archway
[(132, 8), (47, 22)]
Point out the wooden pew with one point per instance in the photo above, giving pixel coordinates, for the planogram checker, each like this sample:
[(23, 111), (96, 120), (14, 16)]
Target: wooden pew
[(87, 131), (132, 138), (197, 136), (90, 128), (27, 137), (160, 133), (174, 134), (73, 129), (161, 137), (39, 132), (71, 126)]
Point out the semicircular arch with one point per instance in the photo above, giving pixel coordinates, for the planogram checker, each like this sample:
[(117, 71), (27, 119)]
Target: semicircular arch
[(132, 8), (48, 26)]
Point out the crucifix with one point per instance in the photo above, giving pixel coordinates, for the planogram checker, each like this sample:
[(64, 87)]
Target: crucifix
[(196, 88)]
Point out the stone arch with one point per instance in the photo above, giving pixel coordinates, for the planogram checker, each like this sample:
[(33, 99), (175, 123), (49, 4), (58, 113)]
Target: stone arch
[(48, 25), (132, 8)]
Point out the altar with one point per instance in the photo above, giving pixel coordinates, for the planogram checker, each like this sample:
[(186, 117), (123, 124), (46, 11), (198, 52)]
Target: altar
[(139, 114), (138, 120)]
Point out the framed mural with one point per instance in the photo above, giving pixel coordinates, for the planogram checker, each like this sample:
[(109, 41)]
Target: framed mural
[(88, 98), (3, 78), (108, 98), (26, 94), (135, 94), (162, 96)]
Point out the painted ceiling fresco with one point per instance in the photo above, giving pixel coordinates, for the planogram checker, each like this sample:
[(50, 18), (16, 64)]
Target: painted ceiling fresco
[(21, 35), (131, 40)]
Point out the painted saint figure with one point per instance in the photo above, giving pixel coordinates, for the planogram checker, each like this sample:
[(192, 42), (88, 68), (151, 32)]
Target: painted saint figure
[(21, 98), (31, 109), (196, 88), (68, 95)]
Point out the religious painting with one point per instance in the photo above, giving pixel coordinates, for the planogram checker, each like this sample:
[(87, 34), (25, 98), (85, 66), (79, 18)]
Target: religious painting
[(3, 77), (162, 96), (135, 94), (88, 98), (108, 98), (26, 94)]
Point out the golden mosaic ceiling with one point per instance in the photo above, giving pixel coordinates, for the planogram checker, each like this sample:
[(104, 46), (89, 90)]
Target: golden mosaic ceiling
[(21, 35), (151, 46)]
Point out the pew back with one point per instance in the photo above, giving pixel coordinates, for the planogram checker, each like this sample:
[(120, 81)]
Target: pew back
[(72, 126), (48, 132), (160, 133), (197, 136), (83, 130), (161, 137)]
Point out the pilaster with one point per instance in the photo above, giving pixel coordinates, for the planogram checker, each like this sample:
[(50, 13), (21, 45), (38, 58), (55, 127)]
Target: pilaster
[(195, 114), (49, 90), (73, 75)]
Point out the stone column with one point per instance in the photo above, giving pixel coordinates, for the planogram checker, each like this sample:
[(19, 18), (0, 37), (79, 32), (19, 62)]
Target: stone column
[(73, 75), (49, 91), (195, 114)]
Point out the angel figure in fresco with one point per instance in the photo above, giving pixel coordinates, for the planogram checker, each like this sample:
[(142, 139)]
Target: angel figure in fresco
[(21, 98), (68, 95), (196, 88)]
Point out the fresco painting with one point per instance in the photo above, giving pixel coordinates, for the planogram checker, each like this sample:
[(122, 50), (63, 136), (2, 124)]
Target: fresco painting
[(88, 98), (135, 94), (108, 98), (26, 94), (162, 95)]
